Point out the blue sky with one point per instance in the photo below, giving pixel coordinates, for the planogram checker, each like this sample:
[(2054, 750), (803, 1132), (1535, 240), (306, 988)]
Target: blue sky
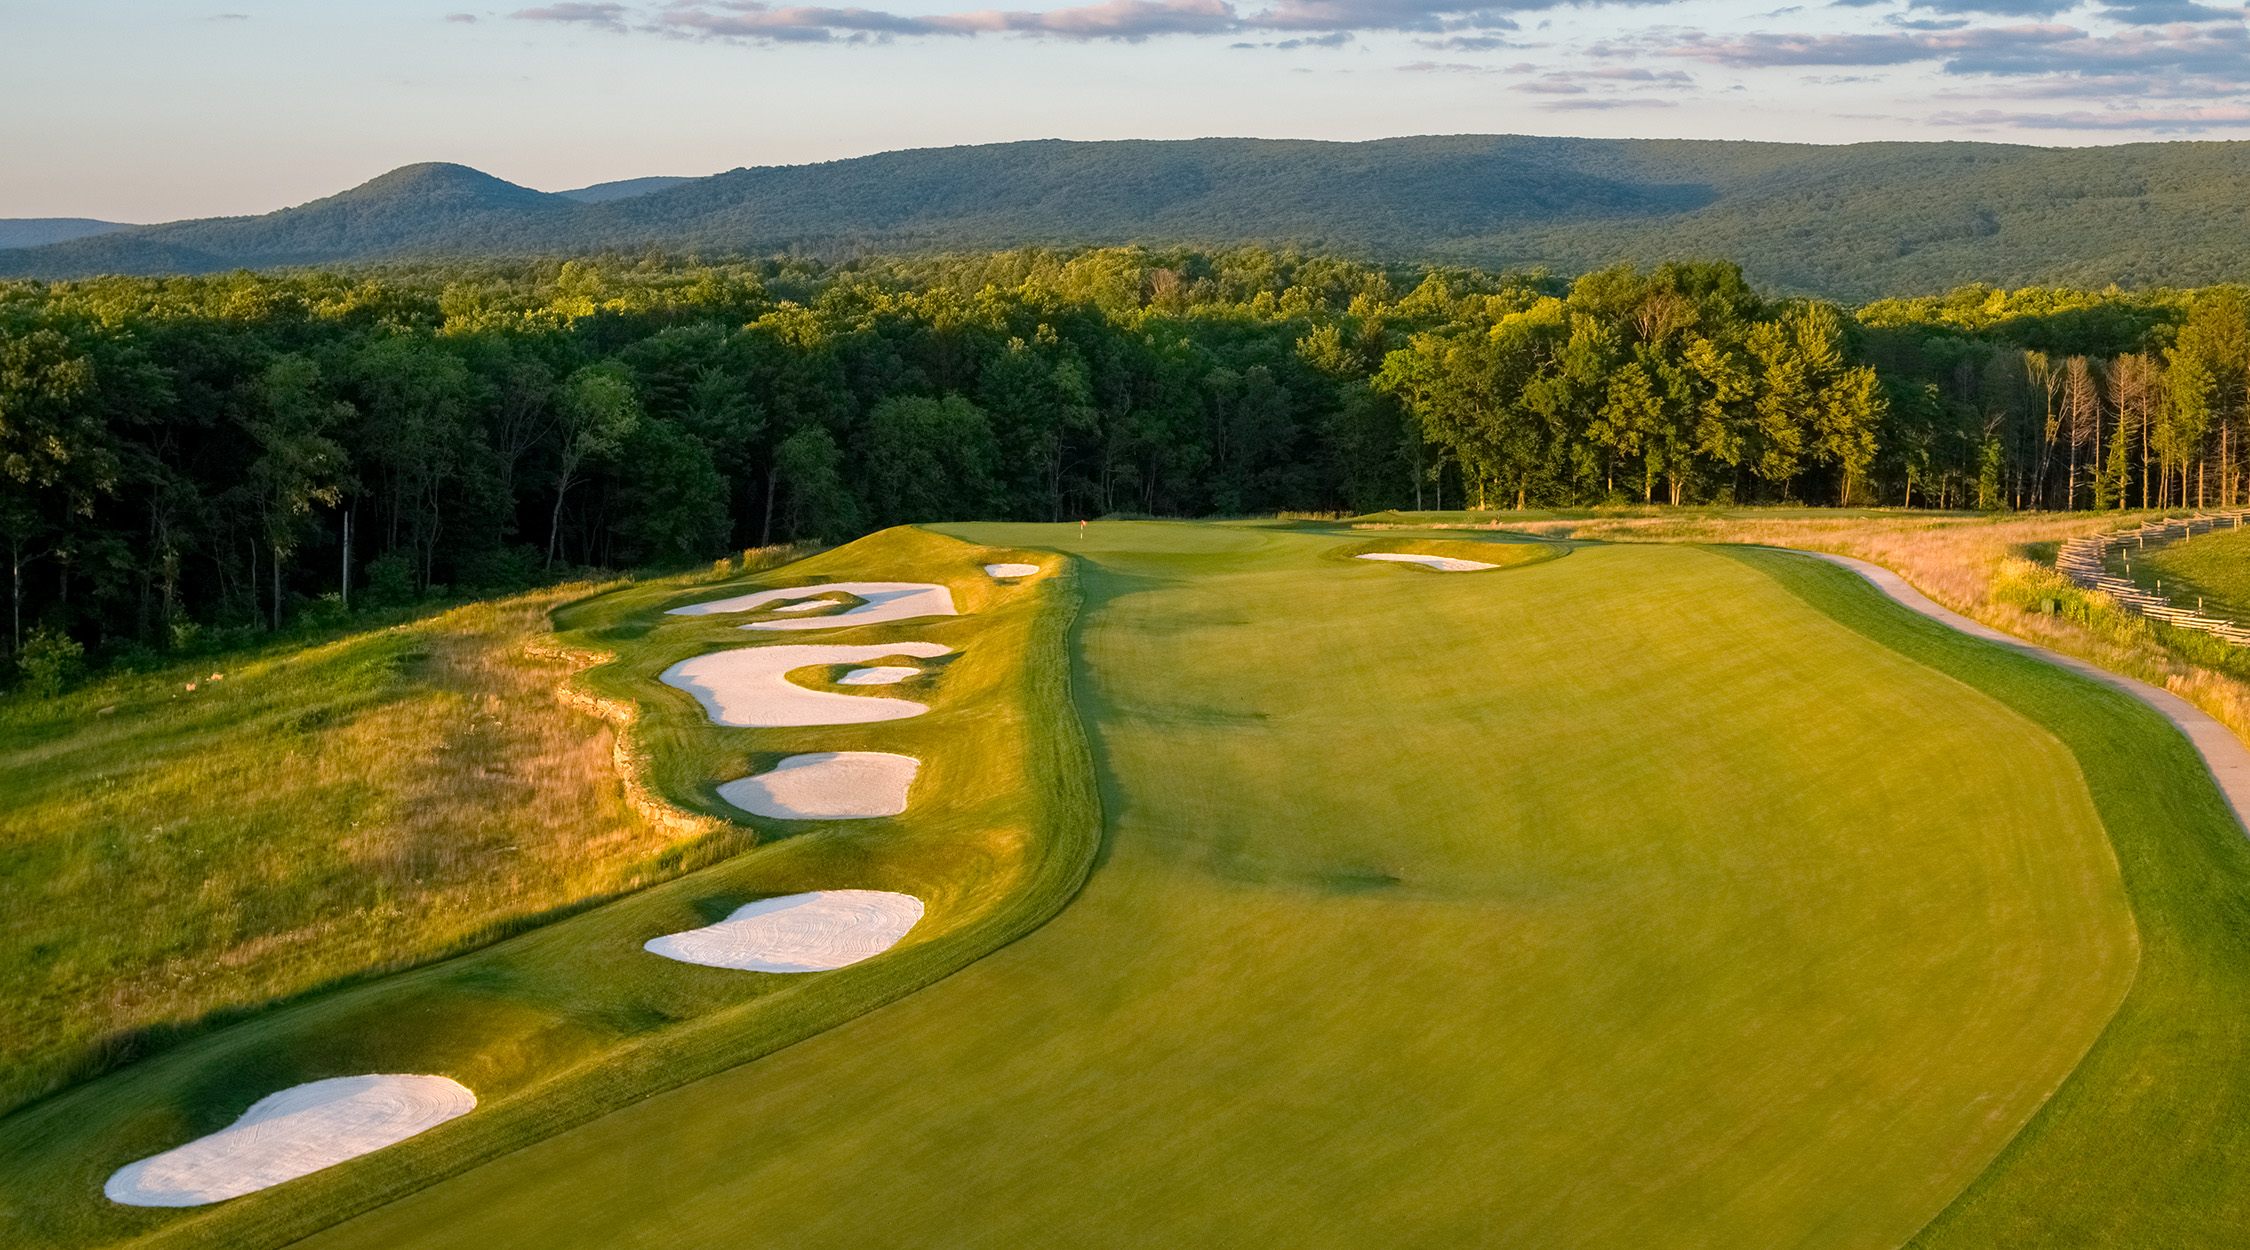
[(154, 111)]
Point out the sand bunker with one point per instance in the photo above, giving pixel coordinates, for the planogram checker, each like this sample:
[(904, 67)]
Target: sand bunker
[(832, 785), (1443, 563), (886, 601), (798, 932), (1011, 570), (880, 675), (746, 687), (286, 1135), (808, 605)]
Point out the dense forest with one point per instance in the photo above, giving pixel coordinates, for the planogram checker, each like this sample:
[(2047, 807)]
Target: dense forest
[(187, 455), (1850, 222)]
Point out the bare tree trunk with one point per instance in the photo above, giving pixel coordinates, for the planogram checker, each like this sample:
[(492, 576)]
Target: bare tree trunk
[(554, 519), (2147, 410), (2094, 458), (2226, 495), (1054, 460), (437, 527), (773, 481)]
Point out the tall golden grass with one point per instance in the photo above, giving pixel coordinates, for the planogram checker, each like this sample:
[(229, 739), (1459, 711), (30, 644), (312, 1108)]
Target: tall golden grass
[(318, 814)]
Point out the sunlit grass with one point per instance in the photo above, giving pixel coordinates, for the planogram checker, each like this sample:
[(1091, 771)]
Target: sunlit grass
[(1624, 899), (1986, 567)]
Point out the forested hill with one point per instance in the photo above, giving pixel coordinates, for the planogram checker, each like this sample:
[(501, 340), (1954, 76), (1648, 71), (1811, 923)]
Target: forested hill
[(1851, 223)]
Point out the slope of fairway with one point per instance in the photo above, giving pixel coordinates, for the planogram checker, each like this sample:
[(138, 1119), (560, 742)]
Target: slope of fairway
[(1623, 899)]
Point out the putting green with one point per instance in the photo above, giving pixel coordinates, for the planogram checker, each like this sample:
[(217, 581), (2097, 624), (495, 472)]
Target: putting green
[(1623, 899)]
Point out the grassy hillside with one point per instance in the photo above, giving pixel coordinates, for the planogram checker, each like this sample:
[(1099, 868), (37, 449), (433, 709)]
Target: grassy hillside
[(1625, 898), (2214, 569), (1851, 222), (573, 1019), (184, 844)]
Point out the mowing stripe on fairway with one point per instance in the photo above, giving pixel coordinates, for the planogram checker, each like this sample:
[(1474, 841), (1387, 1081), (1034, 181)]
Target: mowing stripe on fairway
[(1619, 900)]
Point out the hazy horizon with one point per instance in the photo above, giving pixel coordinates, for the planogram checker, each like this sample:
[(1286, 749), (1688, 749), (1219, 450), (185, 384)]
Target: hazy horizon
[(143, 112), (628, 177)]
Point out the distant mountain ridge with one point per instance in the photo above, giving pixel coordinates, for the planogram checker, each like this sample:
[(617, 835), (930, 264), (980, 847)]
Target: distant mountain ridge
[(623, 189), (36, 231), (1851, 222)]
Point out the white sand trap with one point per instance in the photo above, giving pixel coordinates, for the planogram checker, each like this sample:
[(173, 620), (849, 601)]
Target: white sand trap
[(288, 1134), (880, 675), (886, 601), (1011, 570), (807, 606), (746, 687), (798, 932), (1443, 563), (832, 785)]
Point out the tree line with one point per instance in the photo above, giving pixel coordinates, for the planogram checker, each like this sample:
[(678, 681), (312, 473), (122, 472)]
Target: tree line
[(2049, 399), (241, 451)]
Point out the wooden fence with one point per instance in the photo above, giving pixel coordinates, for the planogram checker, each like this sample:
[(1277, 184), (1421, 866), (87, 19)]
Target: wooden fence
[(2085, 561)]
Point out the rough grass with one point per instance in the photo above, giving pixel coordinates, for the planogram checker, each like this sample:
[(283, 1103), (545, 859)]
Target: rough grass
[(1622, 900), (2143, 1145), (180, 846), (572, 1019)]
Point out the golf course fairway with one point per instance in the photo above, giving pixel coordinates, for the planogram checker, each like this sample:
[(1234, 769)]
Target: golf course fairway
[(1626, 898)]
